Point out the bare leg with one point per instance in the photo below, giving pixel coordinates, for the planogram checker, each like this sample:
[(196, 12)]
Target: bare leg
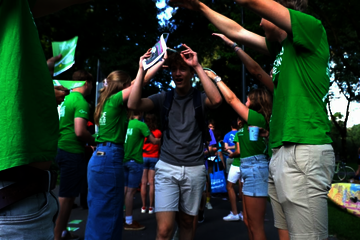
[(232, 197), (255, 208), (64, 215), (185, 226), (246, 220), (165, 225), (283, 234), (144, 181), (129, 197), (151, 175), (240, 189)]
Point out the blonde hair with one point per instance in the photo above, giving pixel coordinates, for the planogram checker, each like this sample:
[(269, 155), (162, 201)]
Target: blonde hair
[(116, 82)]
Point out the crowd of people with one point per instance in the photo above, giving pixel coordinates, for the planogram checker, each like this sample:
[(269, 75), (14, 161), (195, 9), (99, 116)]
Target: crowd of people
[(289, 112)]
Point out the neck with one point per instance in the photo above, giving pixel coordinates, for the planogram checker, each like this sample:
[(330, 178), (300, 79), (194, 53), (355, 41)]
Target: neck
[(80, 90), (183, 91)]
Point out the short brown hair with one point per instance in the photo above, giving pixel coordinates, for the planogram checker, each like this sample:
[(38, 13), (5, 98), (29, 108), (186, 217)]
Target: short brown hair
[(299, 5), (174, 59), (82, 75)]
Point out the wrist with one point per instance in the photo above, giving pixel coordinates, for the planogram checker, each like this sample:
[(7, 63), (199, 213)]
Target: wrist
[(234, 45), (217, 79)]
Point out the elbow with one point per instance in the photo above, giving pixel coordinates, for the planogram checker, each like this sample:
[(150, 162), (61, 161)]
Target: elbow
[(218, 101), (131, 105)]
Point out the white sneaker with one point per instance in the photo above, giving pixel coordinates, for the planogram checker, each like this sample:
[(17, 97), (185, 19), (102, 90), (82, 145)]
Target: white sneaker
[(241, 216), (151, 210), (231, 217), (143, 210), (208, 205)]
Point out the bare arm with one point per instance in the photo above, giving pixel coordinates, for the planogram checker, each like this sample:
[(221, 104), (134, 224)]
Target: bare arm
[(271, 11), (46, 7), (227, 26), (231, 98), (237, 151), (153, 140), (81, 132), (252, 66), (213, 97)]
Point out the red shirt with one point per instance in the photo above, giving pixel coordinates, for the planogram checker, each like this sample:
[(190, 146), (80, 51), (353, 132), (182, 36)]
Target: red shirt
[(150, 150)]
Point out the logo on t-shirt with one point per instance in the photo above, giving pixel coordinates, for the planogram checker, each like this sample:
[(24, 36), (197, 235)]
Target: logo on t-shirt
[(241, 132), (231, 138), (62, 111), (102, 120), (82, 111), (129, 132), (277, 63)]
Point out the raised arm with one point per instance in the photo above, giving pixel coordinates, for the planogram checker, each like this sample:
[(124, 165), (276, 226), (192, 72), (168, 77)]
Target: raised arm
[(230, 97), (252, 66), (271, 11), (213, 97), (225, 25), (46, 7)]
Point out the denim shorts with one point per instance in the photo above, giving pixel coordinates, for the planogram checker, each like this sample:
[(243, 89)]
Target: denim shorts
[(149, 163), (72, 172), (31, 218), (255, 172), (106, 192), (132, 174)]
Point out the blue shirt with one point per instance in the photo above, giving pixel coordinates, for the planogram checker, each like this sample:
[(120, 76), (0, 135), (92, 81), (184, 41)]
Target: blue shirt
[(229, 139)]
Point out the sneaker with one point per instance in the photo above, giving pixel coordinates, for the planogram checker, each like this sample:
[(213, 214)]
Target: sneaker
[(151, 210), (231, 217), (135, 226), (201, 217), (208, 205), (67, 235), (143, 210), (241, 216)]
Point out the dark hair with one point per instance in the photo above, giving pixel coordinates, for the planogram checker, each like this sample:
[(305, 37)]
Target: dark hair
[(212, 122), (82, 75), (174, 59), (115, 83), (218, 135), (299, 5), (134, 113), (150, 120), (234, 124), (261, 102)]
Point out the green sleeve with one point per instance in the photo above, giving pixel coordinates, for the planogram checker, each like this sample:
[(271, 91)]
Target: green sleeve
[(256, 119), (117, 99), (82, 110), (236, 138), (307, 31), (145, 129)]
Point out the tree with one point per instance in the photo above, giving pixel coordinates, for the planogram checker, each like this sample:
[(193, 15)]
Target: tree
[(342, 25)]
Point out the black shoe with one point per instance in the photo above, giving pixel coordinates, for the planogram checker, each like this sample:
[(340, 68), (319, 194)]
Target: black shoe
[(201, 217)]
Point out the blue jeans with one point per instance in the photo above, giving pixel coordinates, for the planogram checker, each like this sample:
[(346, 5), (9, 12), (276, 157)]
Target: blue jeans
[(106, 193), (31, 218), (132, 174), (149, 163), (255, 172)]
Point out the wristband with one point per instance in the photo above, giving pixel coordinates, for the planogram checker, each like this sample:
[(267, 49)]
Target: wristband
[(217, 79), (237, 48), (234, 45)]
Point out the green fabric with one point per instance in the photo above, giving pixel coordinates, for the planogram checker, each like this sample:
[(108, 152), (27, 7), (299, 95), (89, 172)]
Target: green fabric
[(113, 120), (28, 115), (134, 141), (236, 161), (67, 51), (301, 84), (69, 84), (250, 148), (74, 106)]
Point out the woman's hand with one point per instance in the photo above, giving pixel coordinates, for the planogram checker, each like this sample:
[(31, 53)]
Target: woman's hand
[(210, 74), (145, 56), (224, 38)]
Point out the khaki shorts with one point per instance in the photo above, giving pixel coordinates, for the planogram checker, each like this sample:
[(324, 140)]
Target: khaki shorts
[(178, 187), (299, 180)]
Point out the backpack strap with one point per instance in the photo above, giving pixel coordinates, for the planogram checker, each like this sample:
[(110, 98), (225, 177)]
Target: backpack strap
[(199, 116), (169, 97)]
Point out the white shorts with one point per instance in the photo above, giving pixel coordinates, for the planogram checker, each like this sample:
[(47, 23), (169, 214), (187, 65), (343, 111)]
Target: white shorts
[(234, 174), (178, 187)]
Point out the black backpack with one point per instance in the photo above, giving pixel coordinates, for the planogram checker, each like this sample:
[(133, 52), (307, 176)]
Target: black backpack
[(199, 115)]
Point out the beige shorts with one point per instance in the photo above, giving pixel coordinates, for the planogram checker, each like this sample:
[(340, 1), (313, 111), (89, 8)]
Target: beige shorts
[(178, 187), (299, 180)]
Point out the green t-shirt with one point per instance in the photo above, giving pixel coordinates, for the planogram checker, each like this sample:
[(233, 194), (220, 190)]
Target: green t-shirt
[(74, 106), (134, 141), (301, 84), (250, 148), (236, 162), (113, 120), (28, 115)]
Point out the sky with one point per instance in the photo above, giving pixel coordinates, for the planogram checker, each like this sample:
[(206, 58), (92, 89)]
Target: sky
[(337, 105)]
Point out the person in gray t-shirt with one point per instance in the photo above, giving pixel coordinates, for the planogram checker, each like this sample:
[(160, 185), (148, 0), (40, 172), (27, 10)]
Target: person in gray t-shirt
[(180, 172)]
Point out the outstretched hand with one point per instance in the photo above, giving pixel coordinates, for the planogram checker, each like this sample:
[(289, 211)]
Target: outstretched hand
[(189, 57), (210, 74), (51, 63), (224, 38), (145, 56), (189, 4)]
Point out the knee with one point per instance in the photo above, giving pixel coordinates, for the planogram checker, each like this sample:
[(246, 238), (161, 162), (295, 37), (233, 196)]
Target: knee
[(228, 186), (164, 232), (186, 223), (151, 182)]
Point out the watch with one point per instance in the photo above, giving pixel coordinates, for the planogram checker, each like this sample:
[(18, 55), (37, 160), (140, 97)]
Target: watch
[(217, 79)]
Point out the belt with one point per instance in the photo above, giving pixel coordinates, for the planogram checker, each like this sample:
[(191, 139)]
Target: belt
[(27, 181)]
